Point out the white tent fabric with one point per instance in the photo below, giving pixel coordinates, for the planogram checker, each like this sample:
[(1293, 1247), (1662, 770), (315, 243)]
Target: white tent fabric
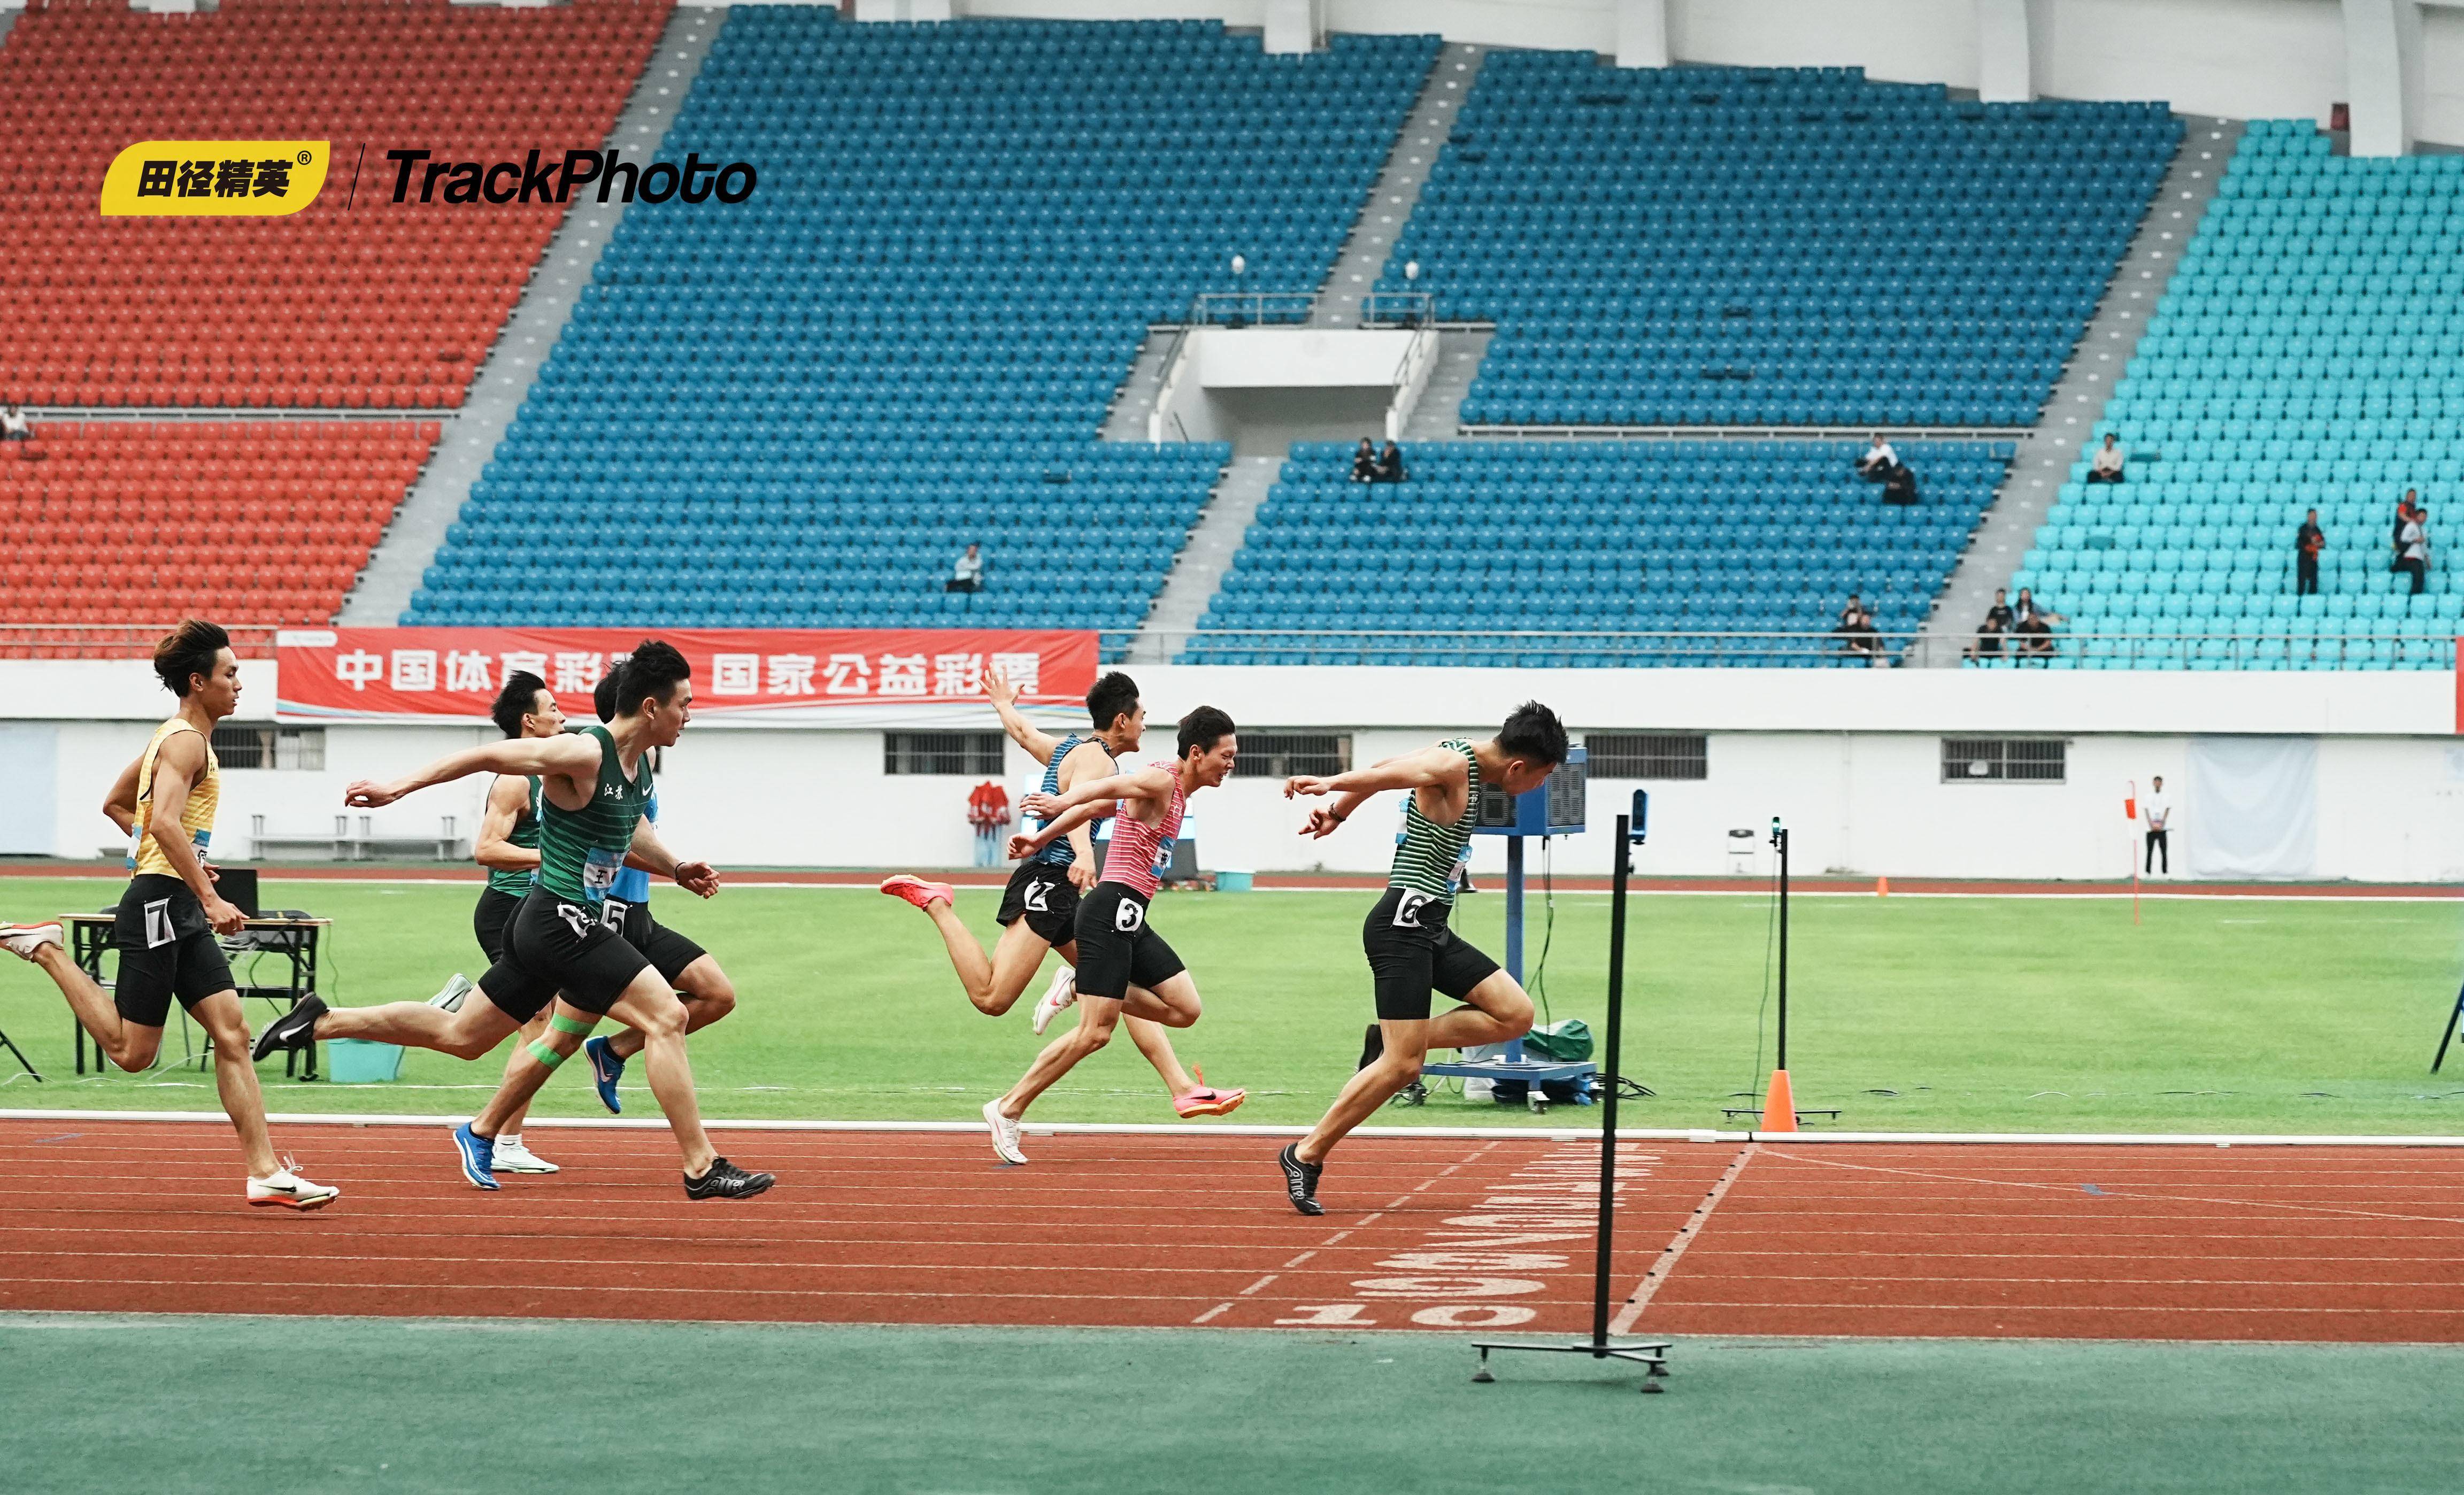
[(2251, 807)]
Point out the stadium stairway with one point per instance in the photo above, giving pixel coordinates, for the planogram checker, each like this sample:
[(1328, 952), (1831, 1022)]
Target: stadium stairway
[(504, 381), (1439, 416), (1442, 95), (2087, 384), (1198, 571)]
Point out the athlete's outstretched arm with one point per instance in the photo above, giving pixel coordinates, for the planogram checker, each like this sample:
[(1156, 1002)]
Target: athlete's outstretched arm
[(495, 848), (1004, 699), (573, 753), (1138, 783), (652, 855), (1086, 761), (1414, 770)]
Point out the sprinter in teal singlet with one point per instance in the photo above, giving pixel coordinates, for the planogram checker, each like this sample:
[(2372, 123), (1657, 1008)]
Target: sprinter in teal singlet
[(594, 785), (1411, 952)]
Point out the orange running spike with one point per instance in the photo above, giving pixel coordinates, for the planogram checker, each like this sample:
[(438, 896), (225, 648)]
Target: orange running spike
[(1779, 1106)]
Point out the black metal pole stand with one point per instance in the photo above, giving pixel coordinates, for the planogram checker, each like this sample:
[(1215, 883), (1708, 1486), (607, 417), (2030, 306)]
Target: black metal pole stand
[(2446, 1035), (1652, 1355)]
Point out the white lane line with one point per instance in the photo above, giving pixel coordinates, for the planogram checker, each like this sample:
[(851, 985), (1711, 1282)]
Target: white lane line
[(1211, 1312), (1260, 1283), (2121, 1192), (1675, 1248), (1298, 1259)]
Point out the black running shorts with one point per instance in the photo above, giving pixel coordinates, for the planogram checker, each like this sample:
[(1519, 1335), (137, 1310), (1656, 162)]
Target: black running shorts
[(491, 918), (668, 952), (560, 944), (167, 949), (1044, 896), (1412, 953), (1116, 949)]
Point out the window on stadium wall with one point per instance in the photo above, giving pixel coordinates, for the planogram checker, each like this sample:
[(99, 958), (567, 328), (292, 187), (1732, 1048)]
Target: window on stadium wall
[(2004, 760), (975, 754), (1647, 754), (262, 744), (1280, 755)]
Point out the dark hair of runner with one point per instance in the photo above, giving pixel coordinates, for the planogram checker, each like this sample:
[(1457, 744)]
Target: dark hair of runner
[(188, 651), (603, 696), (1114, 696), (654, 670), (1534, 735), (517, 700), (1203, 728)]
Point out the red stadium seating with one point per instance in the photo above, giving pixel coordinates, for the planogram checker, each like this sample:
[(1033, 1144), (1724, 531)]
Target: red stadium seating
[(356, 302), (256, 522)]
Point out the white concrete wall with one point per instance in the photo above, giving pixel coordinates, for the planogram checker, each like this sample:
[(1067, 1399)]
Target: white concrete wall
[(1850, 759)]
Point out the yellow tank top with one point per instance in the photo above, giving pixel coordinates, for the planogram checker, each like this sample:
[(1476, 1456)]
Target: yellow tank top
[(196, 817)]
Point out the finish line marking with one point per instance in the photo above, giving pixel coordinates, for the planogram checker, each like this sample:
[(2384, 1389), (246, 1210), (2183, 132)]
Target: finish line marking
[(1642, 1297)]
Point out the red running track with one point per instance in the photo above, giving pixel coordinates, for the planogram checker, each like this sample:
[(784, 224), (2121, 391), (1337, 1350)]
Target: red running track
[(2312, 1244)]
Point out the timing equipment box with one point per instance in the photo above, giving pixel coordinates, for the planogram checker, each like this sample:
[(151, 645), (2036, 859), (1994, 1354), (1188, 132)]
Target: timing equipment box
[(1553, 809)]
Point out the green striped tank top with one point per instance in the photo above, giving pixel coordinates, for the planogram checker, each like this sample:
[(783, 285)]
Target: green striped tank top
[(525, 834), (1425, 860), (581, 852)]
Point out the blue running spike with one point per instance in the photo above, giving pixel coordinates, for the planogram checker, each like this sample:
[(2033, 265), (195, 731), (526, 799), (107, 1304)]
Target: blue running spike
[(478, 1155), (606, 1070)]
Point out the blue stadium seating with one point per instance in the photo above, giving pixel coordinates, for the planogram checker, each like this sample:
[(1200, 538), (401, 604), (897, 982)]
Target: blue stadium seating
[(1771, 246), (2305, 355), (806, 404), (1609, 536)]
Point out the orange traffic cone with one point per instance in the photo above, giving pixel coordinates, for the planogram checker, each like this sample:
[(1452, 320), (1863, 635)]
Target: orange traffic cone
[(1779, 1106), (1881, 886)]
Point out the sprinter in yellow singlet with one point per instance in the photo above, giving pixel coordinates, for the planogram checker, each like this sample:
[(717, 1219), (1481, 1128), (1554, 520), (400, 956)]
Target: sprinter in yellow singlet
[(164, 803)]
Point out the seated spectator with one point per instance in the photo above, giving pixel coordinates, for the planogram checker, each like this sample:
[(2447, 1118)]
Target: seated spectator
[(2035, 636), (1390, 464), (2412, 549), (13, 426), (1364, 463), (2404, 510), (2026, 608), (2307, 542), (2106, 467), (968, 574), (1859, 641), (1879, 460), (1990, 632), (1851, 612), (1900, 485)]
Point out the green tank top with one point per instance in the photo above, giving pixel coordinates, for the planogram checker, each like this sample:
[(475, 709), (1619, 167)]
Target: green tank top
[(1425, 860), (581, 852), (525, 834)]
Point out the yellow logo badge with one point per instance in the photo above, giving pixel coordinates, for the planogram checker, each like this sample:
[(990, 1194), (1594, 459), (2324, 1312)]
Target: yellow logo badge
[(222, 179)]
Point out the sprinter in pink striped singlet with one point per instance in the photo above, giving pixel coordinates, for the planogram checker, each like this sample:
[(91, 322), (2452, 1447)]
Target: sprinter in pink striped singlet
[(1123, 964)]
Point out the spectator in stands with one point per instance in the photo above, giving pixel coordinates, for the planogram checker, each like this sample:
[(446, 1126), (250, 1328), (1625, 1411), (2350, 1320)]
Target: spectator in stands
[(2026, 608), (1989, 633), (2106, 467), (1364, 463), (2412, 549), (1859, 641), (2307, 542), (1878, 462), (12, 424), (1900, 485), (2036, 635), (968, 575), (1849, 614), (1390, 464)]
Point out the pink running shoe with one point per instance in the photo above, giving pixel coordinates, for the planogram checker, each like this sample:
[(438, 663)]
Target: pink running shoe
[(1205, 1102), (918, 892)]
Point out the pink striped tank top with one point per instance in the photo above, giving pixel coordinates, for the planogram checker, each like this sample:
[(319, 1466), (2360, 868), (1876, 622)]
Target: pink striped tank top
[(1140, 852)]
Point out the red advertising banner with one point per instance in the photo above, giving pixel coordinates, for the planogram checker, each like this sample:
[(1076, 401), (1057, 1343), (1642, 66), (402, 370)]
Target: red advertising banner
[(336, 675)]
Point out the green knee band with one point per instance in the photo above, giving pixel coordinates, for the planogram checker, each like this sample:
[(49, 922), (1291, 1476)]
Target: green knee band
[(564, 1024), (544, 1054)]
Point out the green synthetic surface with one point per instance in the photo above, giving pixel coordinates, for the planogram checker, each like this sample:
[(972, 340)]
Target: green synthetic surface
[(1979, 1014), (255, 1405)]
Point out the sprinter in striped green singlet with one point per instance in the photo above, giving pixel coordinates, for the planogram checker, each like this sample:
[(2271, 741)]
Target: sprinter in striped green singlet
[(594, 785), (1411, 953)]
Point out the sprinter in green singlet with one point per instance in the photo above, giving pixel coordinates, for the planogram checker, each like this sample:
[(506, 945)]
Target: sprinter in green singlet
[(594, 785), (1411, 953)]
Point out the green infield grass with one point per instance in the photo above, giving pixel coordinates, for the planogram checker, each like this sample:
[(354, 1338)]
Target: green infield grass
[(1909, 1014)]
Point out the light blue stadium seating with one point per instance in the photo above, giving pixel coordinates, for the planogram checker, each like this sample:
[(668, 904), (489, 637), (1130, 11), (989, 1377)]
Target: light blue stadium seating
[(1606, 537), (1771, 246), (797, 409), (2309, 353)]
